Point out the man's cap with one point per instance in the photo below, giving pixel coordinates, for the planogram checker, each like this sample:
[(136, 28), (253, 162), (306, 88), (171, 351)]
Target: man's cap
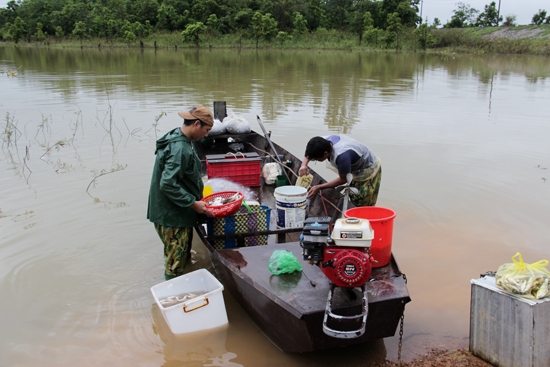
[(199, 112)]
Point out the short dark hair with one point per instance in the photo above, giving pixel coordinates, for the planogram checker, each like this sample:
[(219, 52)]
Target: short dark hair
[(191, 122), (316, 148)]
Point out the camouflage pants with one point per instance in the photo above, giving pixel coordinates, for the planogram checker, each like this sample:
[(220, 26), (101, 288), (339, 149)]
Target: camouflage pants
[(368, 190), (177, 248)]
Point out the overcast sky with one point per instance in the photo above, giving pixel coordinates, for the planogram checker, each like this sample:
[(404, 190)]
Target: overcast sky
[(522, 9), (443, 9)]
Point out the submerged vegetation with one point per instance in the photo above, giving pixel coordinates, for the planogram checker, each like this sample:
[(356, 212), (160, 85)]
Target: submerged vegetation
[(294, 24)]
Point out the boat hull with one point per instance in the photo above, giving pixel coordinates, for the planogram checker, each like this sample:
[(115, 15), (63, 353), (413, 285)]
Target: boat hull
[(289, 308)]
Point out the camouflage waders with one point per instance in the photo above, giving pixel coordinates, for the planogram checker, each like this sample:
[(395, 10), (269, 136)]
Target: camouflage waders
[(368, 190), (177, 248)]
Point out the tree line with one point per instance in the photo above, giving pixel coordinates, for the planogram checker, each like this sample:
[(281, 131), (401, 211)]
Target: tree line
[(132, 20)]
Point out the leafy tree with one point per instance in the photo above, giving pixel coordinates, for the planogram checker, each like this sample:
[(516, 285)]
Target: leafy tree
[(243, 18), (79, 31), (406, 10), (489, 17), (283, 37), (436, 23), (129, 37), (73, 11), (539, 17), (393, 30), (147, 29), (314, 14), (40, 36), (464, 16), (263, 27), (202, 9), (370, 33), (357, 25), (144, 10), (59, 32), (193, 32), (509, 21), (213, 23), (300, 24), (337, 12), (282, 11), (17, 30), (113, 27), (424, 36), (169, 19), (408, 13)]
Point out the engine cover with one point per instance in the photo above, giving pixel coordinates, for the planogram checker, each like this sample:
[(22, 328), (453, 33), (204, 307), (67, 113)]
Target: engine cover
[(346, 267)]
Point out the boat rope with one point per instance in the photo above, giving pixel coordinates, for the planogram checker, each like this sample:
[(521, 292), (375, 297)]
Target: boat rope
[(323, 202)]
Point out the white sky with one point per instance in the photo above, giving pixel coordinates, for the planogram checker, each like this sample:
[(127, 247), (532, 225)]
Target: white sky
[(522, 9), (443, 9)]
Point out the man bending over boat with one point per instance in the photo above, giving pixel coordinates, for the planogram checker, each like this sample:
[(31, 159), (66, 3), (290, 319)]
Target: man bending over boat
[(345, 155), (176, 188)]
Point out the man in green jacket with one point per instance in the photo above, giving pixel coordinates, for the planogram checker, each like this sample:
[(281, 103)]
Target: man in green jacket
[(176, 188)]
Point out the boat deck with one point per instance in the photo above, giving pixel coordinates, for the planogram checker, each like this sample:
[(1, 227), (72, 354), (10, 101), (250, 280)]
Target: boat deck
[(306, 292)]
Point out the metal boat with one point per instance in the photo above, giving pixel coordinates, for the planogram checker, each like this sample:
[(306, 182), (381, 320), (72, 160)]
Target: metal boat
[(290, 308)]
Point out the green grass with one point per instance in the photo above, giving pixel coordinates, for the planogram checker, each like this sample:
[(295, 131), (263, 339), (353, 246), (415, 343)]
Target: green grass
[(465, 40)]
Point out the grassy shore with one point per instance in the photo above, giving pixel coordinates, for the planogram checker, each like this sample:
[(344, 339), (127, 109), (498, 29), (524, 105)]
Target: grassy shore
[(530, 40)]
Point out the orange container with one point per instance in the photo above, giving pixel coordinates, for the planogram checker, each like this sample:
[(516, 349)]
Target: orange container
[(381, 221)]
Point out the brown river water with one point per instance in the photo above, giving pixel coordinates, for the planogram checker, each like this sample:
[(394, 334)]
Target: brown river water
[(464, 143)]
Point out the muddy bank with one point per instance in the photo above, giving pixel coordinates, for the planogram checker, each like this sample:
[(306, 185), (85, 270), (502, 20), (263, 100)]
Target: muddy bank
[(443, 358)]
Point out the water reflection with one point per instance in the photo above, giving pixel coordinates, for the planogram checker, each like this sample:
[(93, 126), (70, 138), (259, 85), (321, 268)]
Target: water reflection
[(336, 80)]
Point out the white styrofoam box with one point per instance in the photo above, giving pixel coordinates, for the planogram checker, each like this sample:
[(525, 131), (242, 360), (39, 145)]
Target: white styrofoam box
[(203, 312), (352, 232), (507, 330)]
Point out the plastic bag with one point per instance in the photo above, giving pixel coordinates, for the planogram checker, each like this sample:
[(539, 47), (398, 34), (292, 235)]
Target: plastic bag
[(270, 171), (217, 129), (283, 261), (235, 124), (526, 280)]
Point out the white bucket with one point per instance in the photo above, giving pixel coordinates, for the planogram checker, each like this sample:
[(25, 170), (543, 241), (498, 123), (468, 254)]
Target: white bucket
[(291, 206)]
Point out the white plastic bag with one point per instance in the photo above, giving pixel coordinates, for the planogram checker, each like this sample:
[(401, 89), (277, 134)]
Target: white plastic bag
[(270, 171), (235, 124), (218, 128)]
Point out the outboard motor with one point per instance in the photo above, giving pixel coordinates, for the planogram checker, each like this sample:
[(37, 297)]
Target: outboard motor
[(345, 259)]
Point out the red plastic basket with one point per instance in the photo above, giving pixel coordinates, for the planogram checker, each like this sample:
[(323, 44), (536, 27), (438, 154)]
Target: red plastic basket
[(224, 210)]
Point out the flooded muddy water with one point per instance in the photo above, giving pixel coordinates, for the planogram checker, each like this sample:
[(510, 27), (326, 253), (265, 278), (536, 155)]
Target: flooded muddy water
[(464, 143)]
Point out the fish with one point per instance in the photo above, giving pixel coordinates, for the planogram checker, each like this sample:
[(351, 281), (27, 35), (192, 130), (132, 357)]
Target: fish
[(180, 298), (217, 201)]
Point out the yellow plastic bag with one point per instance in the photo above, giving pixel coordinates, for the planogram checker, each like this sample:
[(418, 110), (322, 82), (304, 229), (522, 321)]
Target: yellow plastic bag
[(526, 280)]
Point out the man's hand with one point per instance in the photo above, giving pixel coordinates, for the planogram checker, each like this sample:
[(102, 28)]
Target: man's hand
[(200, 207), (303, 171), (313, 190)]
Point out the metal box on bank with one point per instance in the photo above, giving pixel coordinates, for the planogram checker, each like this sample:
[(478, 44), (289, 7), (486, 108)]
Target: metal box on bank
[(508, 330)]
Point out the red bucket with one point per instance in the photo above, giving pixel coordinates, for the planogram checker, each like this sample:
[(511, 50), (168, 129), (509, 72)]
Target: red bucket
[(381, 221)]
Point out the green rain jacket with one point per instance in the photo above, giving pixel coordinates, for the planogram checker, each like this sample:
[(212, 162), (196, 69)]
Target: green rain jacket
[(176, 182)]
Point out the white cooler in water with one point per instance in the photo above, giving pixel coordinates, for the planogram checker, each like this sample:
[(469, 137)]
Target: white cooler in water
[(205, 311)]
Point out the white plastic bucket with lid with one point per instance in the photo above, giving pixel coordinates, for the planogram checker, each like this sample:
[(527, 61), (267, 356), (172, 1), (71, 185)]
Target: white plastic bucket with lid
[(291, 206)]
